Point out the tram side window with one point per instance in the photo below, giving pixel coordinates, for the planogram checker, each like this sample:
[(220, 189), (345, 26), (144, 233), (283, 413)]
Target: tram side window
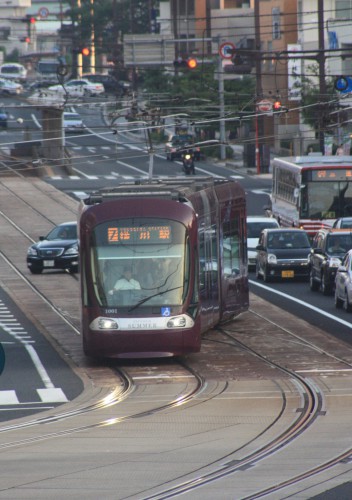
[(231, 248)]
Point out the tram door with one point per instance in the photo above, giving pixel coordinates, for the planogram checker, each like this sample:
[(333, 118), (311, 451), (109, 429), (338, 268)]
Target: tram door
[(209, 288)]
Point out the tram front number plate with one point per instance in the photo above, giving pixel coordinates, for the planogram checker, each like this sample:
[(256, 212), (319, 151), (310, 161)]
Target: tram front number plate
[(287, 274)]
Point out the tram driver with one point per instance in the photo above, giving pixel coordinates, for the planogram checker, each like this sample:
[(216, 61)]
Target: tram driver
[(126, 282)]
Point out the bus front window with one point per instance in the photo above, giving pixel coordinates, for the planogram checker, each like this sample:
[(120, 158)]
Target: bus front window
[(330, 200)]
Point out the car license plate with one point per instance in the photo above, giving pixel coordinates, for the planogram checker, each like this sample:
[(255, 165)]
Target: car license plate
[(287, 274), (49, 263)]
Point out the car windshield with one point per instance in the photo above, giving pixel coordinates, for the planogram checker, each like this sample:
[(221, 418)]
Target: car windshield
[(72, 118), (339, 244), (255, 228), (286, 240), (63, 233)]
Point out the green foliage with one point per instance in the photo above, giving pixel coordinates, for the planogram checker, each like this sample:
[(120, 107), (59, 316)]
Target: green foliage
[(317, 110)]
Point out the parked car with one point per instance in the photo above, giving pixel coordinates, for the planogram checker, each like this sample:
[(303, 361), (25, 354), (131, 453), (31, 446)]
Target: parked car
[(343, 222), (57, 250), (255, 226), (283, 253), (3, 118), (177, 143), (72, 122), (328, 249), (78, 88), (343, 283), (7, 87)]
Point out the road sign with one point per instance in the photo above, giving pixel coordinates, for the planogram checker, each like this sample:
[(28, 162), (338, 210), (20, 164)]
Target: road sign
[(226, 49), (265, 106)]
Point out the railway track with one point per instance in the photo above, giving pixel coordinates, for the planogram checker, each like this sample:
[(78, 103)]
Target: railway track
[(245, 418)]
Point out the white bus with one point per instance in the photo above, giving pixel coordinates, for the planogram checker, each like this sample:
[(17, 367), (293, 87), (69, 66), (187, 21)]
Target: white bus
[(311, 192)]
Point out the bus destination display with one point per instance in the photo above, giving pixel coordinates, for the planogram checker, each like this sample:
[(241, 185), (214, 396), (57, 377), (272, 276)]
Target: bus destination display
[(332, 174), (141, 234)]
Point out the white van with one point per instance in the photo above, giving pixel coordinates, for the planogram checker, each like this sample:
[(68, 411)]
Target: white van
[(13, 71)]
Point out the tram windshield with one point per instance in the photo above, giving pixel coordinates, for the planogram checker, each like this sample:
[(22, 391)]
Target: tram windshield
[(326, 200), (140, 263)]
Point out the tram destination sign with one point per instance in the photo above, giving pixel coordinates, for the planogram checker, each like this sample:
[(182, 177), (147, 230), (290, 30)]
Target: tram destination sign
[(332, 174), (139, 234)]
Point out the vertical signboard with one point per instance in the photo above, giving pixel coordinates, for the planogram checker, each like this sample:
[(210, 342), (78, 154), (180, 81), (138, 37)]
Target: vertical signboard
[(294, 69)]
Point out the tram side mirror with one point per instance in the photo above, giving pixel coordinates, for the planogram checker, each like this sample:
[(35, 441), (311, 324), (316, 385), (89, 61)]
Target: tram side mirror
[(260, 247)]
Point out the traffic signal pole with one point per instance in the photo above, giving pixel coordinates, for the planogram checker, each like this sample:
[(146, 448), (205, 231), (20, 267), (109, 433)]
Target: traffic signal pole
[(222, 128)]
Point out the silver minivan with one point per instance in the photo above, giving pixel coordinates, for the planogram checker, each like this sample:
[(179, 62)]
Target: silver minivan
[(13, 71)]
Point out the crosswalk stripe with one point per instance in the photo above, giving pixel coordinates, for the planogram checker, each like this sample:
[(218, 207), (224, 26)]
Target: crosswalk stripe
[(8, 398)]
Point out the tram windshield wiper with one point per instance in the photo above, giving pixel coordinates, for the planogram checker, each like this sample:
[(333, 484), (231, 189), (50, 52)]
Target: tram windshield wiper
[(145, 299)]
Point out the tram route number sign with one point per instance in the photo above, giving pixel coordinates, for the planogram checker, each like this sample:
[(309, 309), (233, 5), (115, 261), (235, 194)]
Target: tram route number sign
[(138, 234), (226, 49)]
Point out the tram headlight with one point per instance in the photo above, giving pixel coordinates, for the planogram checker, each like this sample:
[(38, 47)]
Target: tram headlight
[(107, 324), (272, 258), (177, 322)]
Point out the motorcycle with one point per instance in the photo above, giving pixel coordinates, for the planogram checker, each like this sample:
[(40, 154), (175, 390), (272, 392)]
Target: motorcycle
[(188, 163)]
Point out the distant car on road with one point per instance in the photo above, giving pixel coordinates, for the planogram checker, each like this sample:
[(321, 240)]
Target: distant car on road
[(57, 250), (255, 225), (177, 143), (78, 88), (343, 283), (283, 253), (328, 249), (343, 222), (72, 122), (7, 87), (110, 83)]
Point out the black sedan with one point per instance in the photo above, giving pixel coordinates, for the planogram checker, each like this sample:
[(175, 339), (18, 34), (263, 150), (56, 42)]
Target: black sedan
[(57, 250), (283, 253)]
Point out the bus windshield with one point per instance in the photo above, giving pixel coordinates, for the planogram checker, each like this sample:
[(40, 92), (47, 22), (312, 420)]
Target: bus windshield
[(326, 200), (139, 263)]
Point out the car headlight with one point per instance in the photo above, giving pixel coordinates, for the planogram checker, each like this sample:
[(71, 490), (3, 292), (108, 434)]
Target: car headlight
[(72, 250), (32, 251), (272, 258), (334, 262)]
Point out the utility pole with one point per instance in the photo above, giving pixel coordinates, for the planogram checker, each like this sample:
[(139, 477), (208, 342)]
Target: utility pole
[(92, 38), (259, 89), (221, 107), (322, 83)]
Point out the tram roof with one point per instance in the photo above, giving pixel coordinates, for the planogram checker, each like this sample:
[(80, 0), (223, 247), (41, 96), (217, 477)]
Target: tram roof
[(175, 188)]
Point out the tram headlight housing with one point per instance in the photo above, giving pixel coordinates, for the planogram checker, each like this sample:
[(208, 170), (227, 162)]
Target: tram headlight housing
[(177, 322), (107, 324), (272, 258)]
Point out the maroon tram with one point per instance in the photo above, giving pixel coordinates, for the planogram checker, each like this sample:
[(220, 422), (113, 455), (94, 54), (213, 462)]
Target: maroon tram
[(161, 263)]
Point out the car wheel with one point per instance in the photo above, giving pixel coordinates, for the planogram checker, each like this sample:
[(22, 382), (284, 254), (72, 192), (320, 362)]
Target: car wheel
[(257, 273), (87, 93), (314, 286), (36, 270), (324, 286), (338, 301), (168, 157), (266, 277), (346, 304), (73, 270)]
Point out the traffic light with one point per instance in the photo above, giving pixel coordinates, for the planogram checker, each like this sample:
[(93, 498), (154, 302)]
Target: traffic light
[(278, 107), (30, 21), (188, 63), (85, 51)]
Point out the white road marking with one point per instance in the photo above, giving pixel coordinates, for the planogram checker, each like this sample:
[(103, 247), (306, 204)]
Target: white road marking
[(302, 303)]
